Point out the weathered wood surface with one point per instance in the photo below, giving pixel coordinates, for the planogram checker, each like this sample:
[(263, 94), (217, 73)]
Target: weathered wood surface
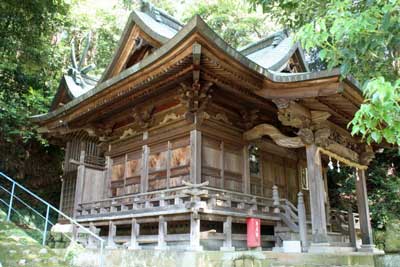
[(317, 198), (271, 131), (176, 201), (363, 209)]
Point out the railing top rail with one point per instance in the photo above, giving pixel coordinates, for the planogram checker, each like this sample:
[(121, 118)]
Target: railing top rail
[(342, 211), (235, 193)]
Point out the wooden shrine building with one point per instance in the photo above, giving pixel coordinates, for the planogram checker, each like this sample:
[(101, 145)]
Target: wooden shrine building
[(184, 137)]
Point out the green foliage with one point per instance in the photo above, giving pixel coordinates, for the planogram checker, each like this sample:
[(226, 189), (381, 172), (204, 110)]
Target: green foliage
[(31, 62), (363, 38), (378, 118), (232, 20), (383, 188)]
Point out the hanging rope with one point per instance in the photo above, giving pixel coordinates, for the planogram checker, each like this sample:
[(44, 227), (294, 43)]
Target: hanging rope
[(342, 159)]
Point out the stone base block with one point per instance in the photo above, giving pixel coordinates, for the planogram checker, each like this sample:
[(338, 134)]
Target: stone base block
[(227, 249), (370, 249)]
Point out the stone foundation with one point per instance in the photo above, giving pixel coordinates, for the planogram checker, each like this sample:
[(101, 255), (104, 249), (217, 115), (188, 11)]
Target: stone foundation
[(152, 258)]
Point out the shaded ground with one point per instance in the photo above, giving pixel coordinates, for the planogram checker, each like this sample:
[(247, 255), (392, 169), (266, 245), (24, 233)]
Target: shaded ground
[(17, 248)]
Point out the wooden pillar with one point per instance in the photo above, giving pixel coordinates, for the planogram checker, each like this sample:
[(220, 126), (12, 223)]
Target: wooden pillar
[(79, 182), (135, 230), (144, 175), (66, 169), (352, 228), (62, 194), (162, 233), (195, 162), (301, 209), (112, 232), (276, 200), (222, 164), (227, 246), (246, 170), (317, 197), (92, 242), (195, 232), (107, 178), (363, 210)]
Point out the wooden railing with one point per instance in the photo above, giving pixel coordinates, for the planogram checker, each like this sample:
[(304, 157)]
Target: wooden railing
[(209, 200), (341, 220), (182, 199)]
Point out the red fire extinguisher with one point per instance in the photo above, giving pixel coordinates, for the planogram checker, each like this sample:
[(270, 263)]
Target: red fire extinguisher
[(253, 232)]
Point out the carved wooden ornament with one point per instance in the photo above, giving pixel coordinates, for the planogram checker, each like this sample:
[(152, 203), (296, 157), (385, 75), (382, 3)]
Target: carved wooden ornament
[(271, 131)]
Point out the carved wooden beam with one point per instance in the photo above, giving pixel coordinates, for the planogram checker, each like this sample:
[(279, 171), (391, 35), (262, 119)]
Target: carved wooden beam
[(343, 151), (144, 116), (195, 98), (293, 114), (249, 117), (367, 156), (271, 131), (326, 138)]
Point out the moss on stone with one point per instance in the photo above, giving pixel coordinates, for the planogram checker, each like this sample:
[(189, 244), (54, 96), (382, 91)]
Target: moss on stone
[(18, 247), (392, 236)]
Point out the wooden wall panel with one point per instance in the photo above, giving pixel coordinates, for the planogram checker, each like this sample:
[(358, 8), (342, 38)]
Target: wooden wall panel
[(93, 187)]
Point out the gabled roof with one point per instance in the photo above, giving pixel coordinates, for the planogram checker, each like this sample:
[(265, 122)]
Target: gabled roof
[(274, 51), (155, 23), (69, 89), (268, 78)]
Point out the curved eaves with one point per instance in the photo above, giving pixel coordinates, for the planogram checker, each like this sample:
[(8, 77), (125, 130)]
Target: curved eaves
[(196, 24)]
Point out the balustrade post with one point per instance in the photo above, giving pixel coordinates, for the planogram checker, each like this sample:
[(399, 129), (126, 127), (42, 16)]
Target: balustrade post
[(301, 209), (162, 199), (178, 199), (276, 199), (212, 201), (253, 205)]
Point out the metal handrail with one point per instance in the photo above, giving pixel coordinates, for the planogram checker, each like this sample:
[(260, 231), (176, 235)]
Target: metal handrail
[(49, 207)]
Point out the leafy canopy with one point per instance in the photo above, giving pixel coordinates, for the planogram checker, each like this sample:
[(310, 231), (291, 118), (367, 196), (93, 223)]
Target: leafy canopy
[(363, 37), (232, 20)]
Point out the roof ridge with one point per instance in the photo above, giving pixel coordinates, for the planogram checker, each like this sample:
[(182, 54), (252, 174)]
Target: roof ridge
[(160, 15)]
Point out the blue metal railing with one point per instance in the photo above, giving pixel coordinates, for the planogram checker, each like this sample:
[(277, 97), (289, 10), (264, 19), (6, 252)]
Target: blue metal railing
[(10, 208)]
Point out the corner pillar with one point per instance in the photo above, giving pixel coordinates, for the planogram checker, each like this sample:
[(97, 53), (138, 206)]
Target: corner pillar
[(144, 175), (317, 203), (79, 182), (195, 163), (363, 210), (195, 232)]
